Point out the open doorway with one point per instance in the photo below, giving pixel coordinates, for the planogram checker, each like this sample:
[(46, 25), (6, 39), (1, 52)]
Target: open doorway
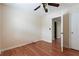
[(56, 32)]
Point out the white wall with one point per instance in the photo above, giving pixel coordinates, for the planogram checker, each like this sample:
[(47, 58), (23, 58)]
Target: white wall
[(47, 23), (46, 33), (74, 27), (20, 28)]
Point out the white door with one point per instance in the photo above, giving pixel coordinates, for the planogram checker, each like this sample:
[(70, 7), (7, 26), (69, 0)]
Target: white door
[(75, 31), (61, 33)]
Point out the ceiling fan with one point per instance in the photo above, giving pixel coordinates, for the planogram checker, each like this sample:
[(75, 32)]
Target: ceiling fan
[(45, 4)]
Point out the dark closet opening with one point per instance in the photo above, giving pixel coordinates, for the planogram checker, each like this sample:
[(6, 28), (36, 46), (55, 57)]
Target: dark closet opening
[(55, 30)]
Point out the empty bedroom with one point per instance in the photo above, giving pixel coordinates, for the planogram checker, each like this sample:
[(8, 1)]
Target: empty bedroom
[(39, 29)]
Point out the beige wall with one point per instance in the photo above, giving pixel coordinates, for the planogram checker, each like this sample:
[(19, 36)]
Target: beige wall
[(0, 28), (20, 28), (66, 30)]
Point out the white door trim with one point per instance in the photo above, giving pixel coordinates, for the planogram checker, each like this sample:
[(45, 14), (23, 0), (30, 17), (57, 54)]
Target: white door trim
[(61, 33)]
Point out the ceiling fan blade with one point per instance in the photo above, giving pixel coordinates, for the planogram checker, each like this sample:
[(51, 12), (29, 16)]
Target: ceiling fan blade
[(44, 6), (37, 8), (54, 4)]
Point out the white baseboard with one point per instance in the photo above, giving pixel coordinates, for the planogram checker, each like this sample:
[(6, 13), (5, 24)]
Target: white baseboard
[(4, 49), (17, 46), (50, 41), (22, 45)]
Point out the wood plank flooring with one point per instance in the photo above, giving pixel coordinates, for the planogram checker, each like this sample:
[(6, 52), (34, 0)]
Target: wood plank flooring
[(40, 48)]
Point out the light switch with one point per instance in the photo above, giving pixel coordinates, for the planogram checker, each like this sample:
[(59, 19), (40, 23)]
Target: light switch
[(49, 28)]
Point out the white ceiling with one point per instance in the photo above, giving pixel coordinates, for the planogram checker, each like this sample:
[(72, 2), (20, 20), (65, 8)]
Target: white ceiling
[(29, 7)]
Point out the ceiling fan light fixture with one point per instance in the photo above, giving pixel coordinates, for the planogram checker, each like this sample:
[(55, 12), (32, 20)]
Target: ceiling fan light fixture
[(45, 5), (46, 10)]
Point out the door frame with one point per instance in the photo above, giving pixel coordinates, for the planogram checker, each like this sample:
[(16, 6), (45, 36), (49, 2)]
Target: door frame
[(61, 31)]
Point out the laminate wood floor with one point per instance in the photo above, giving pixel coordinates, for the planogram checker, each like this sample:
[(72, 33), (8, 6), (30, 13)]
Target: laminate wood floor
[(40, 48)]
